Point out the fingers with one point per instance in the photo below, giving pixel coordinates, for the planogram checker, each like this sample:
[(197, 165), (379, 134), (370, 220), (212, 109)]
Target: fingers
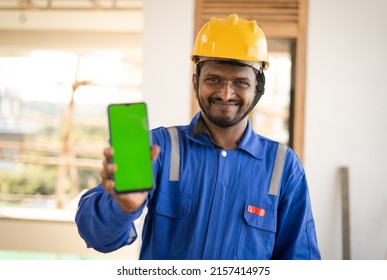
[(108, 152), (109, 186), (108, 170)]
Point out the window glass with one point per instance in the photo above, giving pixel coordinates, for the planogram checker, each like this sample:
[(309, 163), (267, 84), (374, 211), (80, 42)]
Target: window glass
[(53, 122), (271, 116)]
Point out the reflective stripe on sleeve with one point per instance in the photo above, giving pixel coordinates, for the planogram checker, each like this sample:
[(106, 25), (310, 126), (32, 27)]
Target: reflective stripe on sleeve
[(277, 170), (174, 169)]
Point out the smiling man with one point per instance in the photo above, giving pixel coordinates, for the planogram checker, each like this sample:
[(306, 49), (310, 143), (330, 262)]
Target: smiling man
[(226, 92), (221, 190)]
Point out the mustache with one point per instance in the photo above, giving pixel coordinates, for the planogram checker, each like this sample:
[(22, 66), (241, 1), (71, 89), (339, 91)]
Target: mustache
[(219, 101)]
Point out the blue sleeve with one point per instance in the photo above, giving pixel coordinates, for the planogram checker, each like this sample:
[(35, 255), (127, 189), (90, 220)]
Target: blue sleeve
[(100, 220), (102, 223), (296, 234)]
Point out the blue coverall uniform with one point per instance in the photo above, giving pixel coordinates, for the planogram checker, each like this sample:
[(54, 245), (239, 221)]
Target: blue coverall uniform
[(219, 208)]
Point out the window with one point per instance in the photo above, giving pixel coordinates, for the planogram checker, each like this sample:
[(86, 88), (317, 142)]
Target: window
[(272, 115), (53, 121)]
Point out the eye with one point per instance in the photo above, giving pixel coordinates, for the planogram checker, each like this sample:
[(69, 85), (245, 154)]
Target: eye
[(241, 83), (212, 80)]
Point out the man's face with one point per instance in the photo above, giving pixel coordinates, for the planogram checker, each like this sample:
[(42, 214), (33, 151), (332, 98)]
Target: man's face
[(225, 92)]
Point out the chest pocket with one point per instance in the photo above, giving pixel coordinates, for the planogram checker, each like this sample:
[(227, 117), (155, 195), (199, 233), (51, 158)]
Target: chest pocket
[(171, 223), (257, 234), (173, 205)]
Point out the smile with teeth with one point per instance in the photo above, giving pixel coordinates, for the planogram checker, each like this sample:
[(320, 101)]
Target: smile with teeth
[(220, 102)]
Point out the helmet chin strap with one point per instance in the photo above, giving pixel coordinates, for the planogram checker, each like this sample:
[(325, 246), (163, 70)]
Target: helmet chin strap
[(259, 91)]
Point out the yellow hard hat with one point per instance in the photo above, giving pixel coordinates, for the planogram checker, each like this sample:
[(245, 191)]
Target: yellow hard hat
[(231, 38)]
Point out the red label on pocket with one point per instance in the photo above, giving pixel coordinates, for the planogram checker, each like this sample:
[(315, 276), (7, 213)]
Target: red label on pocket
[(256, 210)]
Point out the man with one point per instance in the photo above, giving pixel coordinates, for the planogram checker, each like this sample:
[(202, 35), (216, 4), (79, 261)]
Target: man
[(221, 191)]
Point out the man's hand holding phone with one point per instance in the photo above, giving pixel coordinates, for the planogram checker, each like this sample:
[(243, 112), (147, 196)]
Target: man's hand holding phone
[(130, 178), (129, 202)]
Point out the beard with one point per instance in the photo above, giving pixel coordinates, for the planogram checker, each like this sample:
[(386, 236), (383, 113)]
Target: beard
[(223, 120)]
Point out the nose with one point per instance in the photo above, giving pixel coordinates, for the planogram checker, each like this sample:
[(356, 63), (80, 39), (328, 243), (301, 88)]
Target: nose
[(226, 91)]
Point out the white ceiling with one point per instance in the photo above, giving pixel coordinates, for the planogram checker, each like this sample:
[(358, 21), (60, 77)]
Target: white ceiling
[(73, 25), (82, 15), (70, 5)]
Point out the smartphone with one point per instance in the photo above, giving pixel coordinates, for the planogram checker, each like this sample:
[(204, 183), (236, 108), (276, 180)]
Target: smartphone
[(129, 137)]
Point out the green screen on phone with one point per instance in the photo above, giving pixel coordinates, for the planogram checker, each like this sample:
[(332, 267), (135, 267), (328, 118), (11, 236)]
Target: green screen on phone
[(129, 137)]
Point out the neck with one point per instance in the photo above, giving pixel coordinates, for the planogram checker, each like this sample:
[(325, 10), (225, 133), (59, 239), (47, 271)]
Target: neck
[(227, 137)]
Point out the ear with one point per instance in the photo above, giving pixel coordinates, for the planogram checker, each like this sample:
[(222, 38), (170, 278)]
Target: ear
[(194, 82)]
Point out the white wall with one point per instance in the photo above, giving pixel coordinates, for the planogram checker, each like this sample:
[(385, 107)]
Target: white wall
[(346, 122), (168, 40), (346, 116)]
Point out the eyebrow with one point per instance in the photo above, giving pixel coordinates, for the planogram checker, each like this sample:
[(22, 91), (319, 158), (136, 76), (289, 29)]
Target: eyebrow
[(245, 78)]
